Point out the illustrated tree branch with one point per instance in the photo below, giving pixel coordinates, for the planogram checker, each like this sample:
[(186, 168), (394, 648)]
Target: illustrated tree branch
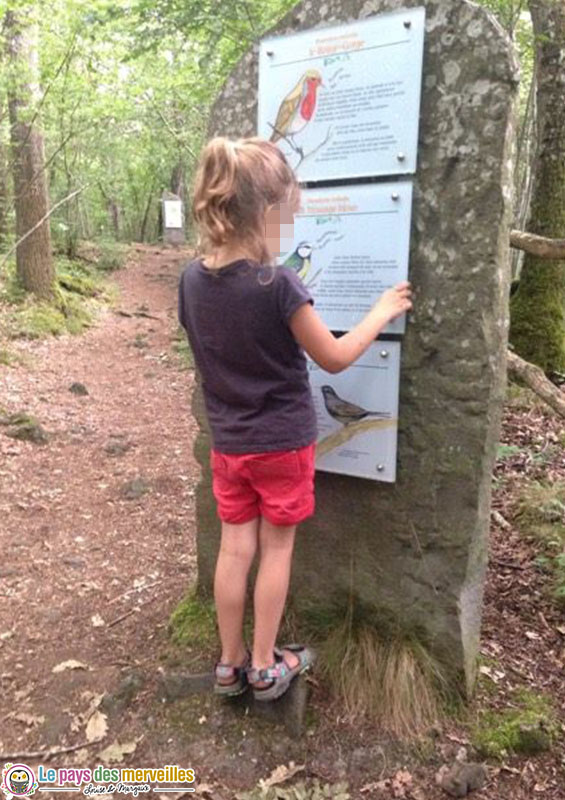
[(535, 378), (347, 433), (538, 246), (40, 223)]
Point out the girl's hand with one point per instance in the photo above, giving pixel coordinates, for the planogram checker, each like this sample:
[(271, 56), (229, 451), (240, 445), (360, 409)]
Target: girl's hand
[(395, 301)]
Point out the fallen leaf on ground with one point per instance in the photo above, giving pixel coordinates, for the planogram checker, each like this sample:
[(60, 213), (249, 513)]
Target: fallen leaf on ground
[(117, 751), (96, 727), (70, 664), (280, 774)]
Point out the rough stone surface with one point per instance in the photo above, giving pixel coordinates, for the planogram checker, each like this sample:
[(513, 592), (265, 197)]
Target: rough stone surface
[(288, 710), (416, 551)]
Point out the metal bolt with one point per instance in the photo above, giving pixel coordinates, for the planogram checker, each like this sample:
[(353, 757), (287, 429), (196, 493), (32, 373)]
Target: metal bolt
[(395, 195), (400, 156), (384, 353), (380, 467), (270, 53), (407, 23)]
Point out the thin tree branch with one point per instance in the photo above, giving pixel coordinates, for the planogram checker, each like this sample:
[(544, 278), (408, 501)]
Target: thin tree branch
[(347, 432), (40, 223), (535, 378)]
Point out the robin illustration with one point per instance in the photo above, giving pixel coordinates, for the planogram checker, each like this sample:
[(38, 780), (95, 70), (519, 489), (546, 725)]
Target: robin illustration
[(344, 411), (298, 107), (300, 260)]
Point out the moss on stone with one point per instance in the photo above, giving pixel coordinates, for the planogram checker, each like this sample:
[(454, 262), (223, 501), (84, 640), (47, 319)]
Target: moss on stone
[(78, 294), (193, 622), (529, 727)]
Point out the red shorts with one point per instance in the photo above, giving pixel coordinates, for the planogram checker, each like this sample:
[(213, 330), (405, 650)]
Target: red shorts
[(277, 485)]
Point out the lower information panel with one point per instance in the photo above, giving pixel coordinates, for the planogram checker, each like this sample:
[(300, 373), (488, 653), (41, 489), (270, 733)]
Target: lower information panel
[(357, 412)]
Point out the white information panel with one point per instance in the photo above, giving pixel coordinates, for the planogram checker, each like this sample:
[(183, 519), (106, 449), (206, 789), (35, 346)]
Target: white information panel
[(344, 101), (173, 213), (357, 412), (350, 244)]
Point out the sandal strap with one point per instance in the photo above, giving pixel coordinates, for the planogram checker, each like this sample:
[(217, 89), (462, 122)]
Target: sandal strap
[(275, 671), (226, 670), (231, 670)]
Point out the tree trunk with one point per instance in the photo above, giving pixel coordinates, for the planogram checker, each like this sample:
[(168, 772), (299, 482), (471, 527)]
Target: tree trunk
[(3, 194), (537, 309), (34, 260)]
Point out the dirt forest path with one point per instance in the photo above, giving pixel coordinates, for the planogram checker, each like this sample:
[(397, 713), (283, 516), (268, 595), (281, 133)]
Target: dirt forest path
[(97, 535), (93, 564)]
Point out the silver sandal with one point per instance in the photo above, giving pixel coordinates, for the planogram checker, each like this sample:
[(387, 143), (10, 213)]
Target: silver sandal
[(280, 674), (238, 673)]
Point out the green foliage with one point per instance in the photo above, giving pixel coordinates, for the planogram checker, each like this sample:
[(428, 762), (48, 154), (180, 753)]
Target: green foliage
[(540, 514), (126, 88), (529, 726), (112, 256), (505, 451)]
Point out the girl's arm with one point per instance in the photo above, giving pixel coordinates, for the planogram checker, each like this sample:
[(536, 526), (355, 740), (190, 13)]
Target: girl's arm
[(333, 354)]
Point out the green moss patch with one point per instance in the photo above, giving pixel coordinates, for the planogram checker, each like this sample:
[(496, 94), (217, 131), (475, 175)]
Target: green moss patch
[(79, 293), (529, 726), (193, 622)]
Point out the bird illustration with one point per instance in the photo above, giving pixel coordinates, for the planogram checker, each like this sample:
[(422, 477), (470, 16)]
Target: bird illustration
[(300, 260), (19, 780), (298, 107), (344, 411)]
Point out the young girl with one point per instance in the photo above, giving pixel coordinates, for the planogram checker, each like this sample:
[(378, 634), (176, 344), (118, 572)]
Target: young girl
[(248, 324)]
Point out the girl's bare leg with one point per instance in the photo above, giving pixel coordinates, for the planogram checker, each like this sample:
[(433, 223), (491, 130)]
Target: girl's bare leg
[(237, 549), (276, 543)]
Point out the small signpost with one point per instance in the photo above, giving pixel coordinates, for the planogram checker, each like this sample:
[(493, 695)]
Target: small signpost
[(173, 219), (343, 103)]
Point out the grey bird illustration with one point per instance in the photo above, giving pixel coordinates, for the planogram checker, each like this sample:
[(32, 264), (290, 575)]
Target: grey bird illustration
[(344, 411)]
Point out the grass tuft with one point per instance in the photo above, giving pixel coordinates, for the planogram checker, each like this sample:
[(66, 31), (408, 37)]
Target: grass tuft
[(393, 681)]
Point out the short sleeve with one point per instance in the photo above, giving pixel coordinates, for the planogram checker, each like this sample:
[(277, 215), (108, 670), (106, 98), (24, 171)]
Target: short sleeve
[(181, 301), (291, 292)]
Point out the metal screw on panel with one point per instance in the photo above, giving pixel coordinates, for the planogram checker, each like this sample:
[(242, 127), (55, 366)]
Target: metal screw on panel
[(270, 53), (384, 353), (380, 467), (395, 195), (407, 23), (400, 156)]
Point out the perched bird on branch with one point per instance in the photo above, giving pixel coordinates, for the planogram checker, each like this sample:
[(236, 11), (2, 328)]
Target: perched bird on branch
[(298, 107), (344, 411)]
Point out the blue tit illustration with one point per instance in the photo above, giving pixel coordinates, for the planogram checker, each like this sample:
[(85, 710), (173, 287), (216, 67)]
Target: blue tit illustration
[(300, 260)]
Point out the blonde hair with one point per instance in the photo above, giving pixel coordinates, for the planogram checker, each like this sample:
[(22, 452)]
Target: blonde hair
[(235, 184)]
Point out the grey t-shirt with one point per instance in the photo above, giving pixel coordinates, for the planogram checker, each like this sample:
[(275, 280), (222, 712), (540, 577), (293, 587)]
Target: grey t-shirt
[(254, 374)]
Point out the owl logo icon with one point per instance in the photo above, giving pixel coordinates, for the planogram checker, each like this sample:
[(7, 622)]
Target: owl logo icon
[(18, 780)]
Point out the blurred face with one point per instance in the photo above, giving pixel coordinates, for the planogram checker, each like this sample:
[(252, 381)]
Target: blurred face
[(279, 227)]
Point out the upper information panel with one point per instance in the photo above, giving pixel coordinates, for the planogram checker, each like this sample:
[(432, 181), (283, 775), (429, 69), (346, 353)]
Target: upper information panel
[(344, 102)]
